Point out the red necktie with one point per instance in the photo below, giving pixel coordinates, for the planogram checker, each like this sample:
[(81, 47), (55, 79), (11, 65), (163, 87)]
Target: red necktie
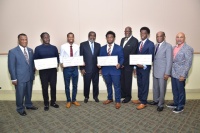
[(141, 46), (71, 51), (109, 50)]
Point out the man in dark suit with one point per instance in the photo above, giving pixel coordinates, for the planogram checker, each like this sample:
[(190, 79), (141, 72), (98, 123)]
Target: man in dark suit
[(21, 69), (130, 45), (145, 46), (111, 74), (90, 50)]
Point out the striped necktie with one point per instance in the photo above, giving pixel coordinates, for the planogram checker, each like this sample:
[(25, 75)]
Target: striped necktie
[(141, 46), (26, 56), (109, 49)]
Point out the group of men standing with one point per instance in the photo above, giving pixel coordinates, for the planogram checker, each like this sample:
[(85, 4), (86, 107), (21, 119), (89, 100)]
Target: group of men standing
[(168, 61)]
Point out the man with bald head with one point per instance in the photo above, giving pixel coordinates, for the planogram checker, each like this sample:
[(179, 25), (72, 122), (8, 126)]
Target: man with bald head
[(161, 70), (182, 62), (130, 45)]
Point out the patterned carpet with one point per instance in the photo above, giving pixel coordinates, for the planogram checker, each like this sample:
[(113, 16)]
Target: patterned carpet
[(98, 118)]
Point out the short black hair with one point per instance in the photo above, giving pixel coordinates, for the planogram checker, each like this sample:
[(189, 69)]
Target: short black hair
[(70, 33), (42, 35), (110, 33), (145, 28), (22, 34), (91, 33)]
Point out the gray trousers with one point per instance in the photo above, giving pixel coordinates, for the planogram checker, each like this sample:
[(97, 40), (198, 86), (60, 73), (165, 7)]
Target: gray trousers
[(159, 90), (23, 91)]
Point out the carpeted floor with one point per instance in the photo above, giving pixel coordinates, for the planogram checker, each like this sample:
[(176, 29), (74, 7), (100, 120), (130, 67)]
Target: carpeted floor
[(98, 118)]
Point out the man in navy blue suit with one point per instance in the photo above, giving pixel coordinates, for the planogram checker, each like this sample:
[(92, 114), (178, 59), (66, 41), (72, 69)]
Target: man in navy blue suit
[(145, 46), (90, 50), (22, 73), (111, 74)]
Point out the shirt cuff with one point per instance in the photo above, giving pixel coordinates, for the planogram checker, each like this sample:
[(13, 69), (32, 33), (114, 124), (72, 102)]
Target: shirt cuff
[(14, 80), (134, 67), (144, 67)]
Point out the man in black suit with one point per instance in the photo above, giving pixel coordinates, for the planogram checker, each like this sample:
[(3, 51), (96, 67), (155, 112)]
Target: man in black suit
[(90, 50), (130, 45)]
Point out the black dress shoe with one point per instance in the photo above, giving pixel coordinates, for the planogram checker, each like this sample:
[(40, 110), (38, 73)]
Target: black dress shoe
[(85, 100), (32, 108), (125, 100), (96, 100), (46, 108), (55, 105), (23, 113), (153, 103), (160, 109)]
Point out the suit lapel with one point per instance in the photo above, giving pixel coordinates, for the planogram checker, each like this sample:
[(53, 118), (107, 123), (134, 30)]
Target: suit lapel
[(21, 54), (180, 51), (128, 42), (113, 49), (160, 48)]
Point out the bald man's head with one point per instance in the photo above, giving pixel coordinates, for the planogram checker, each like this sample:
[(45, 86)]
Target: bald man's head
[(128, 32), (160, 36), (180, 38)]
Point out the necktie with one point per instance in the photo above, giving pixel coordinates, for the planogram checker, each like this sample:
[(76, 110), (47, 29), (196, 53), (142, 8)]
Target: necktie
[(157, 48), (92, 47), (26, 56), (71, 51), (141, 46), (109, 50)]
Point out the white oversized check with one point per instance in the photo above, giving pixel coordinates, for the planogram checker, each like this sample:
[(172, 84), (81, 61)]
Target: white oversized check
[(140, 59), (107, 60), (73, 61), (47, 63)]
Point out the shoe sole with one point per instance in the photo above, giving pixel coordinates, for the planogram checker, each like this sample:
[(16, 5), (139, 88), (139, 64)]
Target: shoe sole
[(178, 111), (172, 107)]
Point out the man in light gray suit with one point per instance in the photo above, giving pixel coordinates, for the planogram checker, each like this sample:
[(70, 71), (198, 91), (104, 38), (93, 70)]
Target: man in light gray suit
[(182, 62), (161, 70), (21, 69)]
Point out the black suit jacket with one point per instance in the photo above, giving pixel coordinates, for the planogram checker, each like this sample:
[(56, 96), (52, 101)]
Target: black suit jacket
[(130, 48), (89, 59)]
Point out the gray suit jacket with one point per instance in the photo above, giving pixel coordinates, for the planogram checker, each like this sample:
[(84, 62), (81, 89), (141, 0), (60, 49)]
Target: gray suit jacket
[(18, 67), (182, 62), (163, 61)]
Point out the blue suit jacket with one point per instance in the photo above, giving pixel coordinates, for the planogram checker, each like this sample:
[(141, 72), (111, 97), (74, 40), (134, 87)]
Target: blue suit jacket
[(117, 51), (148, 48), (18, 67)]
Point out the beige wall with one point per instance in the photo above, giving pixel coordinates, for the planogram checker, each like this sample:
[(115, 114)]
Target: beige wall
[(80, 16), (192, 82)]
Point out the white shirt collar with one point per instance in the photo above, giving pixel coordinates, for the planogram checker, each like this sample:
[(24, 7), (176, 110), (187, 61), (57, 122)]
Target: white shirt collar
[(144, 41), (160, 43)]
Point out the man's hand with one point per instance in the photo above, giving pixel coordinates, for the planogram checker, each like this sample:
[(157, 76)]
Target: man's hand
[(140, 66), (122, 66), (98, 66), (14, 82), (134, 72), (83, 72), (118, 66), (181, 78), (166, 77)]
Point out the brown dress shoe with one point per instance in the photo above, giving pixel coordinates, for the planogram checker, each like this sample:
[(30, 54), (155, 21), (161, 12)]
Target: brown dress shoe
[(141, 106), (107, 101), (76, 103), (117, 105), (136, 101), (68, 105)]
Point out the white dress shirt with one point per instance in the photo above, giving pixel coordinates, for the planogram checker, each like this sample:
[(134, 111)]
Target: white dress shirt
[(91, 45), (143, 43), (65, 51), (112, 46), (125, 41)]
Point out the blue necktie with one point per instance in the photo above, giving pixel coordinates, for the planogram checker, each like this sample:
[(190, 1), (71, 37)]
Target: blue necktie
[(92, 47)]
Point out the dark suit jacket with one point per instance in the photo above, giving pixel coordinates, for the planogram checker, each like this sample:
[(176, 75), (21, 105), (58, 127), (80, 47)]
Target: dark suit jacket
[(18, 67), (89, 59), (148, 48), (112, 70), (130, 48)]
